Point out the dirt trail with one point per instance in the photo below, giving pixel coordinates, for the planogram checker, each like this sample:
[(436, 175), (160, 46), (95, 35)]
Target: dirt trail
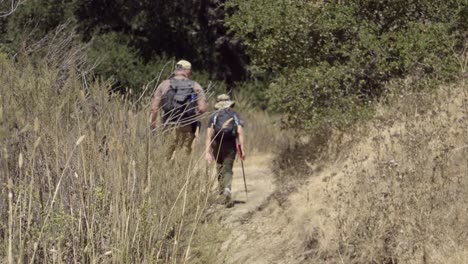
[(259, 184), (245, 242), (263, 231)]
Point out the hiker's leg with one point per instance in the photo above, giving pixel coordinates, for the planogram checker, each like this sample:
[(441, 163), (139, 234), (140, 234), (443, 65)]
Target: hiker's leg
[(187, 136), (219, 171), (171, 141), (179, 138), (219, 167), (228, 162)]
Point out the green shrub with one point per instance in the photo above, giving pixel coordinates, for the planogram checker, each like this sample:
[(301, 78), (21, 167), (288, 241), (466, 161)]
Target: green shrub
[(331, 59), (120, 63)]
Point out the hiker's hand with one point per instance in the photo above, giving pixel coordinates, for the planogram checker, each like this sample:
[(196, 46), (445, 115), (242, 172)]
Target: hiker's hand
[(209, 157), (153, 131), (242, 152)]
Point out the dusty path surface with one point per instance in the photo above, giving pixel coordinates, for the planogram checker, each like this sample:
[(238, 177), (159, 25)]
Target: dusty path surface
[(260, 186), (263, 231), (241, 245)]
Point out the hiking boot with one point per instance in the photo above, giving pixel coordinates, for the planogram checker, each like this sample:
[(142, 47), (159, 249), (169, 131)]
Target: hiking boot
[(227, 197), (230, 204)]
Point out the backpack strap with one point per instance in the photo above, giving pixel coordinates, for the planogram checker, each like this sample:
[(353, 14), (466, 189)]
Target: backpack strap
[(236, 120), (215, 118), (171, 83)]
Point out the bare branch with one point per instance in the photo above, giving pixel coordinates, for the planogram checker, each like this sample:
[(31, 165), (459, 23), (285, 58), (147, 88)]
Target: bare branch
[(10, 7)]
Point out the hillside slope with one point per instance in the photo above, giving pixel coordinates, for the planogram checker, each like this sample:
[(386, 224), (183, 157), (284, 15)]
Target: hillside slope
[(394, 190)]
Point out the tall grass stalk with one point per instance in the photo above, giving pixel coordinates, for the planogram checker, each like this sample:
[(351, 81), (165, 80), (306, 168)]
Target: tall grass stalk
[(111, 196), (94, 184)]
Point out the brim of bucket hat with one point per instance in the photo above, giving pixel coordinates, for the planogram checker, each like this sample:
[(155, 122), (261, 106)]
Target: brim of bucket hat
[(224, 104)]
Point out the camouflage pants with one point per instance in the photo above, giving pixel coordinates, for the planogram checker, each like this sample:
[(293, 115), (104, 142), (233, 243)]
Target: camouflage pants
[(181, 138)]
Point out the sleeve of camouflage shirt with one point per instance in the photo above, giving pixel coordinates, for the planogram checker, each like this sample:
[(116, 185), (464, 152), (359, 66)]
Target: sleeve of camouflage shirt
[(160, 91), (201, 98)]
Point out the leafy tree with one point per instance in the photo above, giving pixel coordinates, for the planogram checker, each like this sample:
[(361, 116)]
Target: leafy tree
[(120, 63), (332, 58), (183, 29), (150, 30), (33, 19)]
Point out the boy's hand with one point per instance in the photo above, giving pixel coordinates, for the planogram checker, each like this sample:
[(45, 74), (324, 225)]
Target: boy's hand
[(241, 152), (209, 157), (153, 126)]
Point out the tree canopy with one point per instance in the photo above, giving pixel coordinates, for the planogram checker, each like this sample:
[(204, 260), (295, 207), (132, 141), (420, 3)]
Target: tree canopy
[(312, 60), (146, 31), (335, 56)]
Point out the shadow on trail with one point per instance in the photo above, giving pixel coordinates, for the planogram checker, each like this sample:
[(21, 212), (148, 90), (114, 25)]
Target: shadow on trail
[(233, 203)]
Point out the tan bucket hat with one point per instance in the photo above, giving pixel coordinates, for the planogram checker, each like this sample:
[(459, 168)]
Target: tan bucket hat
[(223, 101)]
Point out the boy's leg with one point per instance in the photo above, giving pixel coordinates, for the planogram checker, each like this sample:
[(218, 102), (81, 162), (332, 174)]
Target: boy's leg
[(219, 167), (228, 162), (219, 171)]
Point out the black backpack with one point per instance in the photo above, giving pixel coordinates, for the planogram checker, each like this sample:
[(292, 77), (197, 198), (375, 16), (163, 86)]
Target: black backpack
[(179, 103), (225, 125)]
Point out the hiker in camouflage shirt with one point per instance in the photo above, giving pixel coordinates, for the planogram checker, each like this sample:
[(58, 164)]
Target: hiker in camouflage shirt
[(184, 127), (224, 135)]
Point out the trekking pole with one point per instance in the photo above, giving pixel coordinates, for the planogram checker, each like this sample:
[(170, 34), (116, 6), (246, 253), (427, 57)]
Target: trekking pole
[(241, 157)]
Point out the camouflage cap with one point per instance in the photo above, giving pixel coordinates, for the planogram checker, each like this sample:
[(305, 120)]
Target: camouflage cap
[(183, 65)]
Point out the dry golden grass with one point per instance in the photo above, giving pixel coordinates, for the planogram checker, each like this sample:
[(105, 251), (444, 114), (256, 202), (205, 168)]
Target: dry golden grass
[(390, 190), (400, 190), (84, 181)]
